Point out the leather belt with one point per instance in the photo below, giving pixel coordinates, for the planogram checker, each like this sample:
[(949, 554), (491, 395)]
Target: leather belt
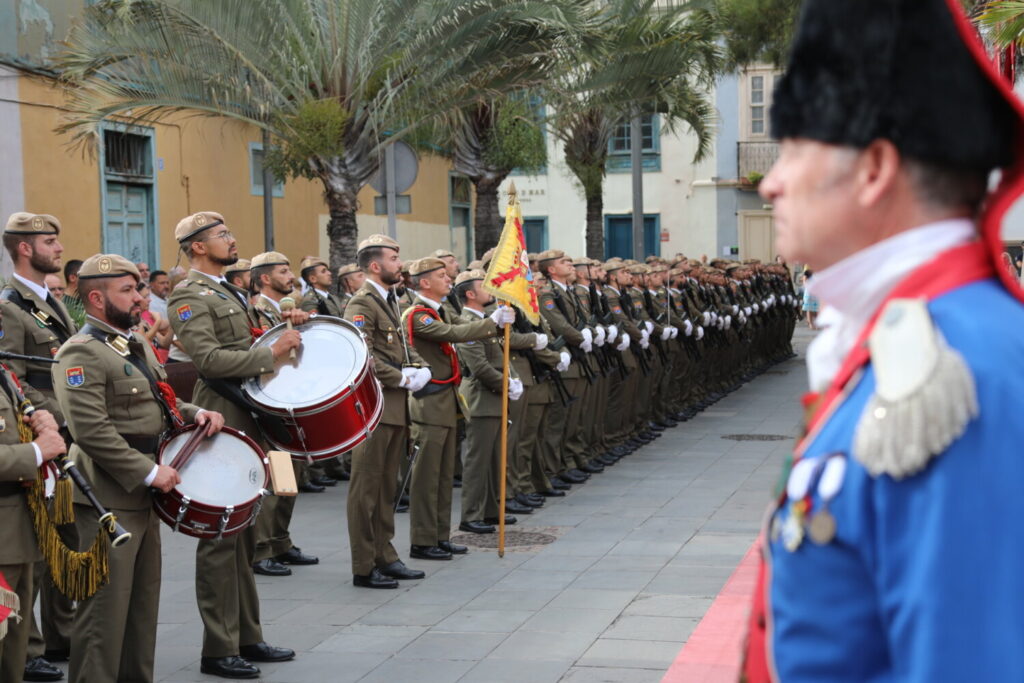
[(11, 488), (40, 380), (432, 388), (144, 443)]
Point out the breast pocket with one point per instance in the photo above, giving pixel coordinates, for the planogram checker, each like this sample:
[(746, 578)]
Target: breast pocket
[(230, 323), (129, 396), (44, 339)]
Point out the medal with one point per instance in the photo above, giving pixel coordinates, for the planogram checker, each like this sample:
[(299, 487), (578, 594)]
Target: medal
[(822, 527), (793, 527), (391, 338)]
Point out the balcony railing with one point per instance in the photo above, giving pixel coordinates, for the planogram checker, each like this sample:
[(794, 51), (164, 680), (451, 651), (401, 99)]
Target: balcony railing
[(756, 157)]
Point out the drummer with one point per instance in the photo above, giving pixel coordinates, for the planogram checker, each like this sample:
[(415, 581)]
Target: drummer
[(108, 383), (214, 323)]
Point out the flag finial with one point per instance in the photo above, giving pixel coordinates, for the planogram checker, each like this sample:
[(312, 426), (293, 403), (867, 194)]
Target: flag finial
[(511, 192)]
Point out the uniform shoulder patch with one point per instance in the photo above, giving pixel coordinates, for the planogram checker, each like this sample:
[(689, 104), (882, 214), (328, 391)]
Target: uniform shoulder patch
[(75, 376), (184, 312), (616, 309), (358, 320), (549, 304), (426, 319)]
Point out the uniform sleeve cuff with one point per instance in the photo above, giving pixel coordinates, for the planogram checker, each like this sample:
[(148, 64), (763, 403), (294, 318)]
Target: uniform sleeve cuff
[(39, 454), (148, 481)]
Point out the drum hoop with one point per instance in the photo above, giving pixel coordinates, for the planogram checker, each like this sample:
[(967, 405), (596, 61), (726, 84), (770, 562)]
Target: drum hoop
[(328, 402), (342, 447), (240, 435)]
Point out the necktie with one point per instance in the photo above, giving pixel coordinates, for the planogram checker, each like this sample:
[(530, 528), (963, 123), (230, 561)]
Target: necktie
[(440, 313)]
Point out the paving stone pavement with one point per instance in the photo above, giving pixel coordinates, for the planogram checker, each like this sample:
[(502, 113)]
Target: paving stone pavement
[(642, 551)]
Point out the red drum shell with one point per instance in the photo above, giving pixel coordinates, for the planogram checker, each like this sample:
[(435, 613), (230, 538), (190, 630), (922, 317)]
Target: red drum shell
[(236, 453), (328, 398)]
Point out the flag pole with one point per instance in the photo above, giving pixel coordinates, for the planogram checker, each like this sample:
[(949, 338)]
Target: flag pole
[(504, 441)]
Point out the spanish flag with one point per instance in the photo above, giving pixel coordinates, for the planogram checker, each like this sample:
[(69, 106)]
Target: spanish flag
[(509, 277)]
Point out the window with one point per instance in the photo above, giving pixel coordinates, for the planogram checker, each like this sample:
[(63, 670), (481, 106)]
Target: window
[(757, 105), (460, 216), (126, 154), (620, 145), (535, 230), (256, 172)]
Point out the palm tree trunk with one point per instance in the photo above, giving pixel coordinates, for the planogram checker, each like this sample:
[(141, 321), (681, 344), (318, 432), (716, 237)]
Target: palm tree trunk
[(595, 222), (342, 230), (487, 223)]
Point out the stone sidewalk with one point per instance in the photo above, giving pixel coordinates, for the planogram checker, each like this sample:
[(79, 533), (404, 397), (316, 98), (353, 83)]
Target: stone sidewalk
[(640, 553)]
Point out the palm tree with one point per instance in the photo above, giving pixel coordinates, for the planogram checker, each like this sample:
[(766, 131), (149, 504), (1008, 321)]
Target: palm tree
[(329, 80), (641, 58)]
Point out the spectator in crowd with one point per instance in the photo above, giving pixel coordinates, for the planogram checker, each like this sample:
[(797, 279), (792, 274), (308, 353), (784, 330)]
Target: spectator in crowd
[(54, 285), (159, 288), (71, 301), (153, 326), (810, 303), (143, 270)]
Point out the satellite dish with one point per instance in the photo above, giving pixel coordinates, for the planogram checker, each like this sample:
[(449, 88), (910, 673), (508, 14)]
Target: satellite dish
[(406, 168)]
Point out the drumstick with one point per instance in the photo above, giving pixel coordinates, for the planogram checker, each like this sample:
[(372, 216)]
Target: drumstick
[(189, 449), (288, 304)]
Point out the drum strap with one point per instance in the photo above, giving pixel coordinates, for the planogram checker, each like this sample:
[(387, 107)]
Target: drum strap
[(162, 391), (230, 390)]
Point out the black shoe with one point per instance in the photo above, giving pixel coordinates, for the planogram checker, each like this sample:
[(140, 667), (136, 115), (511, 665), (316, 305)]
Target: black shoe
[(568, 476), (38, 669), (261, 652), (538, 500), (296, 556), (326, 481), (452, 547), (559, 484), (398, 570), (375, 579), (514, 508), (509, 520), (429, 552), (228, 667), (476, 527), (310, 487), (270, 567), (553, 493), (343, 476), (590, 467), (578, 473), (524, 499), (619, 451), (654, 426), (607, 459), (457, 483), (57, 655)]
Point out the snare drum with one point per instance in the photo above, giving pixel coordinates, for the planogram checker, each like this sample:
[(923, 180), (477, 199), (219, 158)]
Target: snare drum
[(328, 397), (222, 484)]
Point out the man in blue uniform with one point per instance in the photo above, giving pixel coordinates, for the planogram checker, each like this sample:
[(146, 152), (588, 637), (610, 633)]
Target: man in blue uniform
[(896, 549)]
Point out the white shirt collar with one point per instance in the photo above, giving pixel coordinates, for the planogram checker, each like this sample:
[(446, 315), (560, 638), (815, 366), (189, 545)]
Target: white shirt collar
[(481, 314), (381, 289), (430, 302), (215, 278), (851, 290), (563, 286), (40, 290), (615, 289), (322, 293), (123, 333), (276, 304)]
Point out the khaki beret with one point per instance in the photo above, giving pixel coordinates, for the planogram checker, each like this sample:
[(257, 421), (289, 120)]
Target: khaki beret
[(377, 241), (658, 268), (612, 266), (348, 269), (473, 265), (487, 257), (550, 255), (23, 223), (192, 225), (269, 258), (427, 264), (107, 265), (530, 256), (470, 276), (631, 262), (582, 261), (239, 266), (675, 272), (638, 269), (312, 262), (443, 253)]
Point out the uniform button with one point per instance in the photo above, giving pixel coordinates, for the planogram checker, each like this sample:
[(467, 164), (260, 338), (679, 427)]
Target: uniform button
[(231, 310), (135, 390), (262, 370)]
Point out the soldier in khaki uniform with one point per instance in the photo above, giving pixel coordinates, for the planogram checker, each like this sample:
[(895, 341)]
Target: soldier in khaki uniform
[(272, 276), (433, 408), (19, 549), (350, 281), (215, 325), (239, 275), (399, 369), (36, 325), (105, 380), (481, 393)]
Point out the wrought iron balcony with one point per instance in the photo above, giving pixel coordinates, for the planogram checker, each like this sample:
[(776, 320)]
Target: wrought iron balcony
[(755, 159)]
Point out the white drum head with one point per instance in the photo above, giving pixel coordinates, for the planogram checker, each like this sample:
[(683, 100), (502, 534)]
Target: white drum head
[(223, 471), (332, 357)]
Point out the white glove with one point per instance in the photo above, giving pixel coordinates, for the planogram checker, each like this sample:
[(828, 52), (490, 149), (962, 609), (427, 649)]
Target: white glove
[(700, 333), (675, 332), (563, 363), (645, 337), (742, 318), (650, 326), (588, 340), (417, 378), (408, 374), (623, 343), (687, 327), (720, 323), (666, 333), (747, 310), (515, 389), (735, 309), (757, 309), (613, 332), (600, 335), (728, 321), (541, 342), (715, 317), (503, 315), (705, 318)]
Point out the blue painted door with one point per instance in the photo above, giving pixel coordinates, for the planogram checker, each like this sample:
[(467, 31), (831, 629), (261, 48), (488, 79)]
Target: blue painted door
[(618, 239), (535, 230), (126, 229)]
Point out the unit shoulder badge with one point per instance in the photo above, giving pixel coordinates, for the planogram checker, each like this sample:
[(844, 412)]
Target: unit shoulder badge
[(924, 396)]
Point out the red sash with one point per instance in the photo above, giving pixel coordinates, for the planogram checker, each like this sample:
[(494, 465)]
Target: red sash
[(951, 269), (447, 347)]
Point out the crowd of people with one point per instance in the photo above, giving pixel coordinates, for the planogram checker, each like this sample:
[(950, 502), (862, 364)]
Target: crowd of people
[(623, 351)]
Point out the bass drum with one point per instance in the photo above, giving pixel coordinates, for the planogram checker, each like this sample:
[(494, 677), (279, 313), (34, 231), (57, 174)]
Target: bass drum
[(222, 484), (328, 398)]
